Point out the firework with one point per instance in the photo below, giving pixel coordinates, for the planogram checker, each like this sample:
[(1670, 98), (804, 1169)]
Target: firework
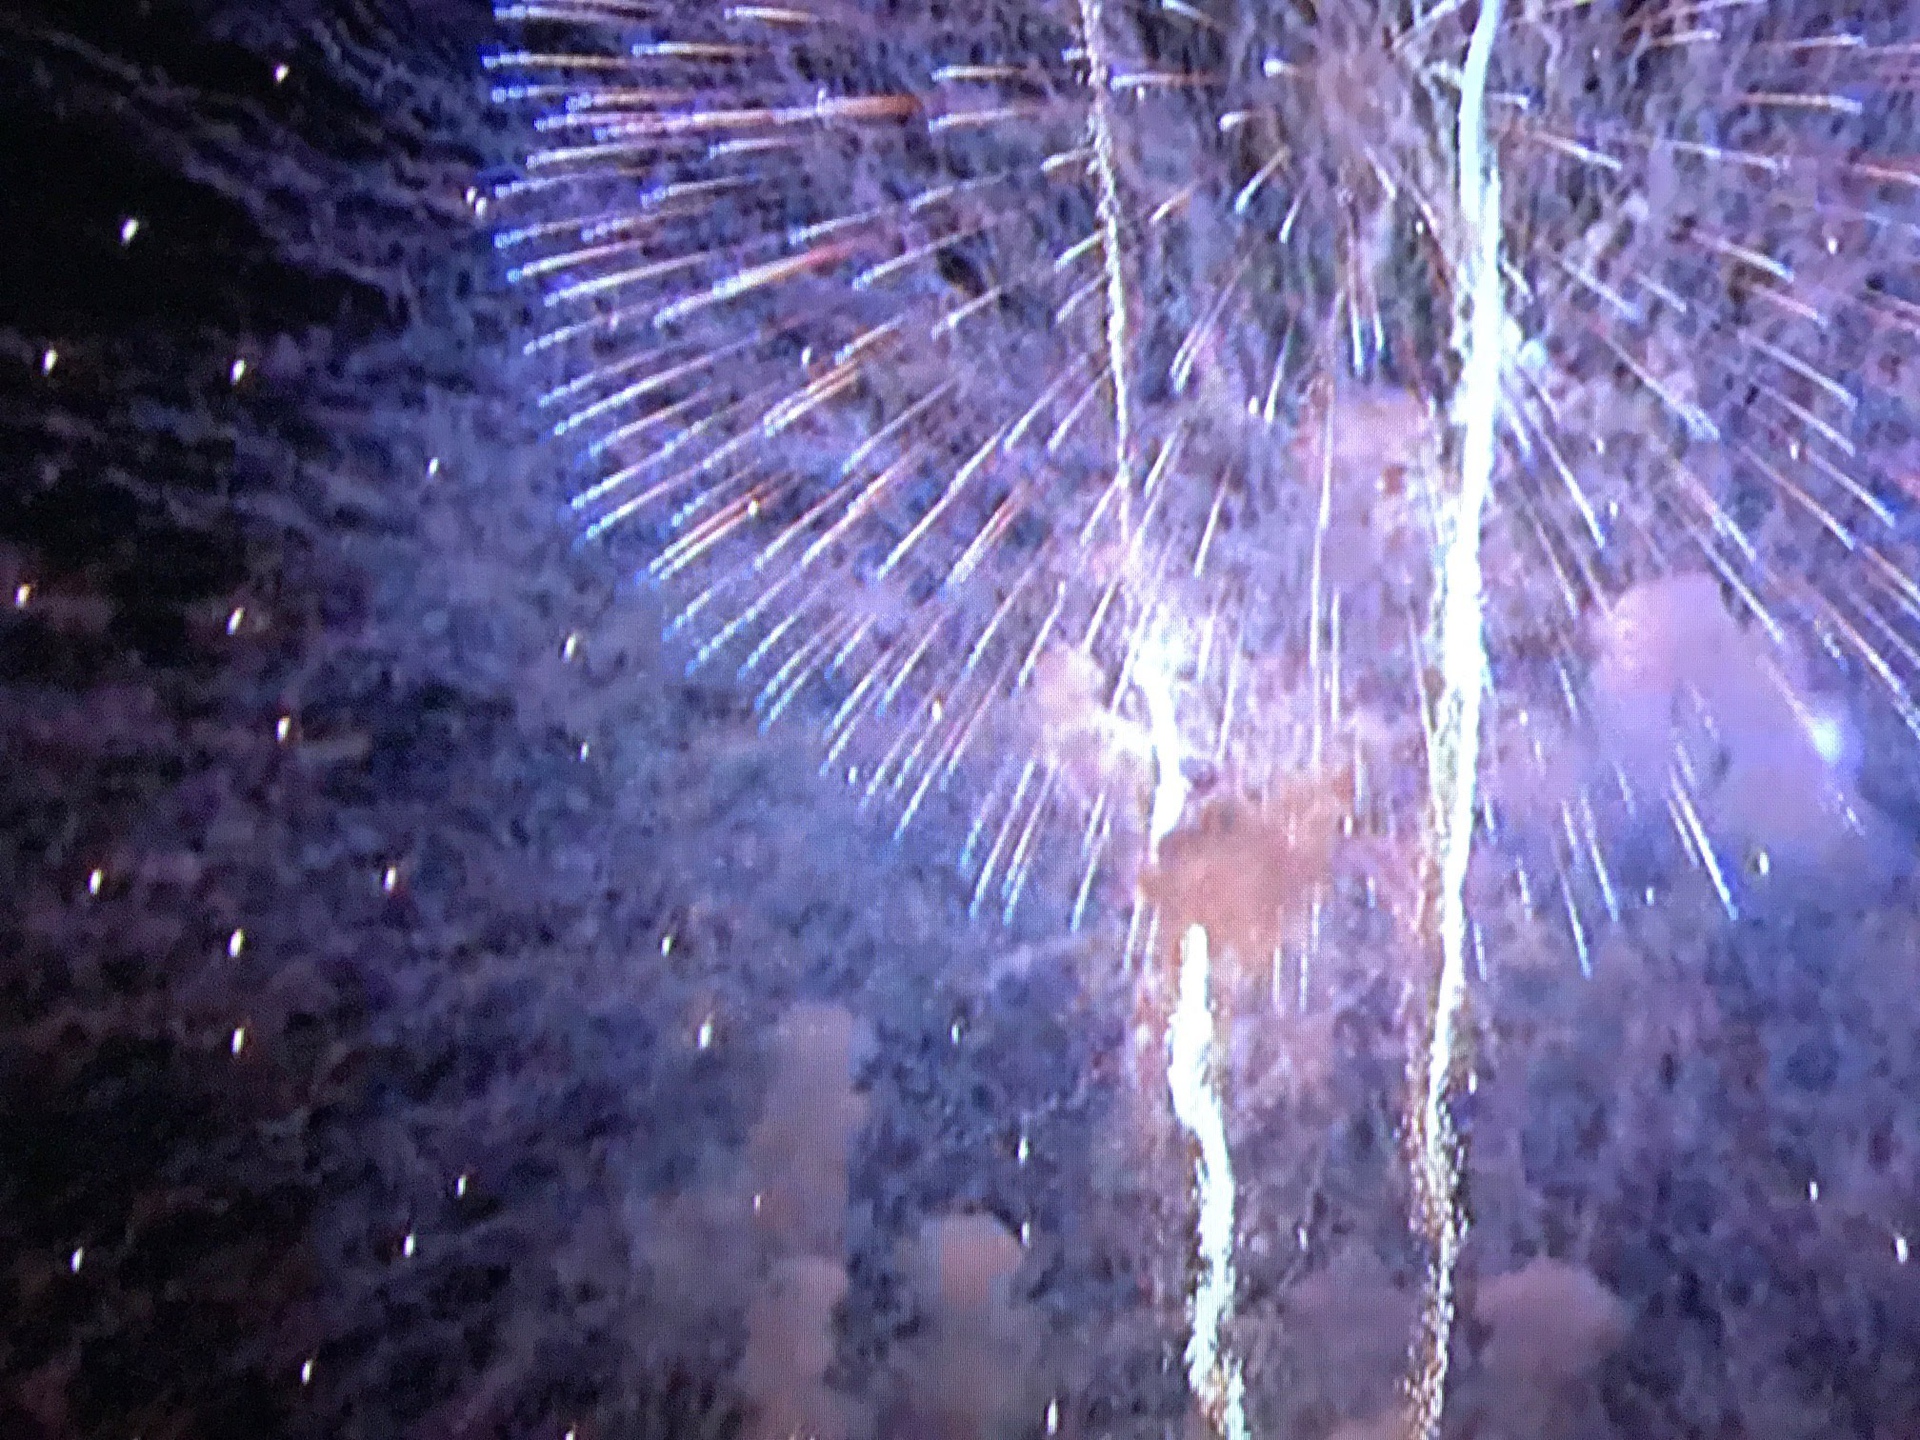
[(1421, 453), (903, 353), (950, 365)]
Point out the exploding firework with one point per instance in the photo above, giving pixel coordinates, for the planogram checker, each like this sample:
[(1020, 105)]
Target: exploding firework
[(1436, 456), (1065, 400), (967, 385)]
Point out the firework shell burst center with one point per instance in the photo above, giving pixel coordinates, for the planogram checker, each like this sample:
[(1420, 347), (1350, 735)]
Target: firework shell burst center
[(1042, 400)]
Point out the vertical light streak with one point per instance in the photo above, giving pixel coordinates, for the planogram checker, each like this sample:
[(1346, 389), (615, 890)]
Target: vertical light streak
[(1153, 674), (1107, 184), (1215, 1377), (1323, 519), (1455, 758)]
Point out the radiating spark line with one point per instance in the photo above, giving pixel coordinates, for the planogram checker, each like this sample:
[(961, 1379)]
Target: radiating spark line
[(987, 802), (1068, 374), (1091, 850), (1001, 837), (1578, 930), (1609, 897), (657, 380), (1122, 484), (1323, 518), (1184, 359), (1455, 757), (1021, 865), (887, 269), (754, 277), (1695, 833), (951, 493), (964, 738), (791, 678), (896, 766), (770, 642)]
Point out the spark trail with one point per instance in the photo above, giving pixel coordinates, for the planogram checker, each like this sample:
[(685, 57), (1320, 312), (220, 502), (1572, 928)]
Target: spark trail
[(1465, 681)]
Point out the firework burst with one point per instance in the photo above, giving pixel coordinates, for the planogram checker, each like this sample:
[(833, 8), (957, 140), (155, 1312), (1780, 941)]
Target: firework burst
[(892, 343), (1288, 447), (956, 367)]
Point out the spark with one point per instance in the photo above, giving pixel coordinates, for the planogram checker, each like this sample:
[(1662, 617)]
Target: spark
[(1686, 818)]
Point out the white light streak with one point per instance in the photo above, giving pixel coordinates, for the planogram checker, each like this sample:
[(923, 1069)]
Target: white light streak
[(1153, 674), (1213, 1376), (1455, 756), (1106, 178)]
